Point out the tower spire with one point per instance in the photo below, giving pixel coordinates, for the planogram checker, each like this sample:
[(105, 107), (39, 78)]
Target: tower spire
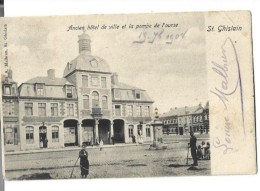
[(84, 43)]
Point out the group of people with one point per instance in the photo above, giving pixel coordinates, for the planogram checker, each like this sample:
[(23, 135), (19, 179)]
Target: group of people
[(203, 151), (200, 152)]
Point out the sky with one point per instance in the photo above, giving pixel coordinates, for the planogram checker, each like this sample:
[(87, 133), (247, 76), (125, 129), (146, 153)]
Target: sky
[(174, 75)]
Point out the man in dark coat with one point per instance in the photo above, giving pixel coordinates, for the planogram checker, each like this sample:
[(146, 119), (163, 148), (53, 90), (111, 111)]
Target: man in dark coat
[(84, 163), (193, 148)]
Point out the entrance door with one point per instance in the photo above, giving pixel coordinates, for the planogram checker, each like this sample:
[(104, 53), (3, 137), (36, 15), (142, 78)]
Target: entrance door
[(181, 130), (43, 137), (119, 131), (103, 130), (70, 132)]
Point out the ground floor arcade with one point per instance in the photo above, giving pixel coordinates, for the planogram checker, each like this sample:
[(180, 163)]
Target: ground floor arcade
[(74, 132)]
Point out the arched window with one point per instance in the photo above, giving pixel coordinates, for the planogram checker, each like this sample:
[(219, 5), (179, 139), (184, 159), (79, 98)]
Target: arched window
[(104, 102), (85, 101), (55, 134), (95, 99), (29, 135)]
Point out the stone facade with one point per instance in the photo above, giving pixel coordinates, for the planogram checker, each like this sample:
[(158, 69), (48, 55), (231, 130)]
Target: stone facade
[(87, 105)]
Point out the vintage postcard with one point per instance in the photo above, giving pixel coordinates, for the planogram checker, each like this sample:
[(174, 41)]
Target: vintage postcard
[(128, 95)]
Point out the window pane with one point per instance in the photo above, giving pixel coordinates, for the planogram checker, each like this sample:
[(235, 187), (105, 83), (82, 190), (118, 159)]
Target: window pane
[(42, 109), (85, 101), (104, 102), (54, 109), (95, 99), (7, 90), (85, 81), (103, 82)]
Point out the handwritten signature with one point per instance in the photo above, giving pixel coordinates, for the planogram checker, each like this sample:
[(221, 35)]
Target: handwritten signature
[(217, 143), (225, 92)]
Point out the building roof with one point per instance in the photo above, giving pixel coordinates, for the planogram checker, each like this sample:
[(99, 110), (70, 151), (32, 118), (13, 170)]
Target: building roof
[(49, 81), (87, 62), (121, 85), (183, 111)]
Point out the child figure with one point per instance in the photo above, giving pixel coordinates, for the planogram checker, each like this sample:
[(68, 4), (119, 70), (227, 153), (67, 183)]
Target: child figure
[(199, 152), (203, 148), (207, 152)]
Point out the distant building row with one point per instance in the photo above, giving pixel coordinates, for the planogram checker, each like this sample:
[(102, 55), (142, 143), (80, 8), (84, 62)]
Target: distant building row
[(181, 121)]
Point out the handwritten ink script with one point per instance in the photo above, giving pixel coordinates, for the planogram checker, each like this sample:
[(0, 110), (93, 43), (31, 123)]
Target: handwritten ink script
[(227, 89), (227, 143), (145, 37)]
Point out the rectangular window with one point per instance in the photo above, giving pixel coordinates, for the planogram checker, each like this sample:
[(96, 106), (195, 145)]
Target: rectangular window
[(117, 110), (104, 102), (130, 130), (40, 89), (139, 110), (148, 131), (69, 91), (130, 110), (139, 130), (84, 81), (7, 90), (28, 109), (9, 135), (94, 81), (137, 95), (8, 108), (85, 101), (103, 82), (42, 109), (55, 134), (70, 109), (147, 111), (54, 109), (29, 135)]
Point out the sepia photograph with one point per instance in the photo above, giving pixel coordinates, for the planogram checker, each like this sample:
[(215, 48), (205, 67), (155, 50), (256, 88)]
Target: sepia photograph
[(127, 96), (107, 99)]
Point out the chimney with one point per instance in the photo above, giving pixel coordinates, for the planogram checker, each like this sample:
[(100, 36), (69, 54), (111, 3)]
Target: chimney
[(51, 74), (114, 79), (10, 74)]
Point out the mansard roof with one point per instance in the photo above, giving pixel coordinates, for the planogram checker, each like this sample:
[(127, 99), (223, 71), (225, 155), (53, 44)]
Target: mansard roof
[(183, 111), (49, 81)]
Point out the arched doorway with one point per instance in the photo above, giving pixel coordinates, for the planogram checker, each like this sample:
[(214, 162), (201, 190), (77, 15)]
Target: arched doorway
[(103, 130), (118, 127), (88, 131), (70, 132), (43, 137)]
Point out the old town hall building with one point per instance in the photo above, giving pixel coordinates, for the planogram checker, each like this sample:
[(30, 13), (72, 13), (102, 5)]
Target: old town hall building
[(87, 105)]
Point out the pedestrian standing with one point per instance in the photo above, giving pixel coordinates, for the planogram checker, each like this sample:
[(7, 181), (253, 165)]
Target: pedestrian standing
[(101, 145), (113, 139), (84, 163), (193, 148)]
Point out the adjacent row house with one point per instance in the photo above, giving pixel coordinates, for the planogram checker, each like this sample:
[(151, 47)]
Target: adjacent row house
[(181, 121), (88, 104)]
